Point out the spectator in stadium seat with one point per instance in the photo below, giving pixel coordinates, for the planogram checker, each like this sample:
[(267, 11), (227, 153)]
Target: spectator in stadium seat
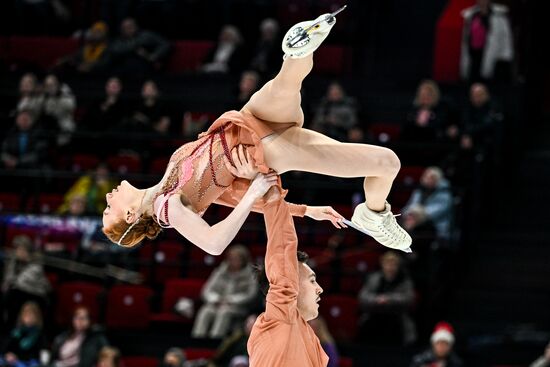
[(486, 41), (26, 340), (336, 114), (80, 345), (327, 341), (228, 55), (24, 145), (428, 118), (103, 115), (386, 298), (227, 294), (480, 120), (94, 56), (24, 279), (234, 345), (92, 188), (150, 114), (267, 55), (441, 352), (58, 109), (136, 51), (174, 357), (544, 360), (109, 357), (430, 205), (31, 97)]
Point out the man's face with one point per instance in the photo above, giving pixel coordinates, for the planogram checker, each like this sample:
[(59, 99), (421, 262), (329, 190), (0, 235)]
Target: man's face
[(309, 293), (390, 268)]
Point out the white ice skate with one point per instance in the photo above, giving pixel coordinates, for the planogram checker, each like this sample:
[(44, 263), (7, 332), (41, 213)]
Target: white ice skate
[(382, 227), (305, 37)]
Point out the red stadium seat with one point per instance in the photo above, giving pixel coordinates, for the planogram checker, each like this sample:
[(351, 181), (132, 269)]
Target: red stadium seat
[(331, 59), (84, 162), (341, 315), (199, 353), (175, 289), (355, 265), (201, 263), (23, 50), (140, 361), (410, 175), (48, 203), (158, 166), (346, 362), (128, 307), (13, 230), (124, 164), (188, 55), (166, 257), (74, 294), (9, 202), (385, 132)]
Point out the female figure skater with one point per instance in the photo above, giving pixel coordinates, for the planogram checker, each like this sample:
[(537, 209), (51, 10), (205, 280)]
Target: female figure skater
[(270, 126)]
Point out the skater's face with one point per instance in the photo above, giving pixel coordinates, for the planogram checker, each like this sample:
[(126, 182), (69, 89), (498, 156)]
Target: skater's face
[(309, 293), (119, 202)]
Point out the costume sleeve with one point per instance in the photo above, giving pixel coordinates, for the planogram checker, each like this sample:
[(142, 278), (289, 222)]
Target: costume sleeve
[(281, 263), (233, 196)]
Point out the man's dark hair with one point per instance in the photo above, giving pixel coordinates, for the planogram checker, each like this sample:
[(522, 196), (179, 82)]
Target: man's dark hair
[(262, 277)]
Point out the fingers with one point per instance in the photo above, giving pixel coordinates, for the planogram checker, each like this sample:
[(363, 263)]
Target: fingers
[(229, 166), (236, 157), (243, 154)]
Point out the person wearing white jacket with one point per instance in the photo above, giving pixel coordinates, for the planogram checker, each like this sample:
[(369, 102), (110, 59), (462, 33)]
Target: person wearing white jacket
[(486, 40)]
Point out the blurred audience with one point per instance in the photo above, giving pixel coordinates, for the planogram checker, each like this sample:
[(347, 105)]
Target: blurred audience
[(336, 114), (24, 145), (26, 340), (267, 56), (428, 117), (441, 351), (320, 328), (58, 109), (430, 206), (92, 57), (544, 360), (248, 85), (31, 97), (109, 357), (486, 41), (150, 115), (227, 294), (80, 345), (174, 357), (138, 52), (87, 195), (24, 278), (234, 346), (386, 299), (228, 55)]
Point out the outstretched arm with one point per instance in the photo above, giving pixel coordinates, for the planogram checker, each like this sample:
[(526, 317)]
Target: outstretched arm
[(214, 239)]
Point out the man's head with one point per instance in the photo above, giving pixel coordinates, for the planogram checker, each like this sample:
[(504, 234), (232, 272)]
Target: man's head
[(309, 290), (442, 340), (237, 258), (174, 357), (24, 248), (430, 177), (24, 120), (113, 87), (28, 84), (427, 94), (335, 92), (479, 95), (128, 28), (390, 263)]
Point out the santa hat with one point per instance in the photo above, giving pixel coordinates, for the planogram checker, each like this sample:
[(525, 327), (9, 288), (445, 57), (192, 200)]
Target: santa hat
[(443, 331)]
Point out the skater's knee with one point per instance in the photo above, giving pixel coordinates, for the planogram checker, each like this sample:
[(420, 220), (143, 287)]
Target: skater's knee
[(389, 162)]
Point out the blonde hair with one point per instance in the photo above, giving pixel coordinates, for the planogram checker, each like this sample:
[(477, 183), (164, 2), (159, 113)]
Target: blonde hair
[(110, 353), (434, 89), (146, 226), (33, 308)]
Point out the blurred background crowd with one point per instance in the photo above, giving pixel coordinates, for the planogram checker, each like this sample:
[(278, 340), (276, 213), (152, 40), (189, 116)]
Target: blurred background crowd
[(94, 91)]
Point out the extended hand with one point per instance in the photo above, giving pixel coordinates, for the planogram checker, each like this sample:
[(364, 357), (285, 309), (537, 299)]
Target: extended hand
[(326, 213), (244, 167)]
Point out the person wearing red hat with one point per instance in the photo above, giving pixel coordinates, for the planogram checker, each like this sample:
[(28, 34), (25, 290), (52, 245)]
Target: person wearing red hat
[(441, 352)]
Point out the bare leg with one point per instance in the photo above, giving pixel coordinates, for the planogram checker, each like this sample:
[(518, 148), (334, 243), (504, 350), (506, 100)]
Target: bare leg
[(279, 99), (298, 149)]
